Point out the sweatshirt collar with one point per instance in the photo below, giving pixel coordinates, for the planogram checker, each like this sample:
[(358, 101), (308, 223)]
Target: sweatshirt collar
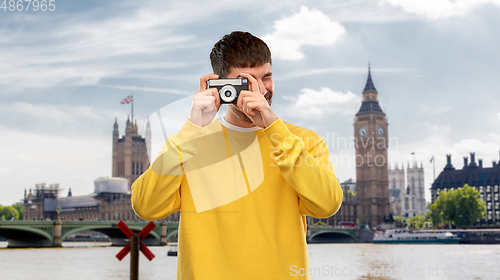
[(223, 122)]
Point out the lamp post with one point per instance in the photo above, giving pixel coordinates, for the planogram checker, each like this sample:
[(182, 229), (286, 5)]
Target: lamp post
[(13, 212), (116, 215), (58, 209)]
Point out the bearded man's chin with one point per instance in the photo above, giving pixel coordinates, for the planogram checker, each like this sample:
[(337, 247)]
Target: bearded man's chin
[(240, 114)]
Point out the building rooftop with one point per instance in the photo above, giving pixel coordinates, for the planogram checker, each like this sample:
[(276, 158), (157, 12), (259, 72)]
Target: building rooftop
[(70, 203)]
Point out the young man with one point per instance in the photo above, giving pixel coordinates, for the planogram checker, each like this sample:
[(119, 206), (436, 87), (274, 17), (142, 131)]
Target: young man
[(244, 183)]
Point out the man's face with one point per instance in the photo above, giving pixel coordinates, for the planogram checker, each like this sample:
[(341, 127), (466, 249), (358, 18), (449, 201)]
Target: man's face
[(264, 77)]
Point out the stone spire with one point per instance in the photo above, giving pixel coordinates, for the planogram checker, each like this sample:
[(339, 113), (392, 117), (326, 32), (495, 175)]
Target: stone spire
[(116, 133), (370, 103), (369, 86), (129, 126)]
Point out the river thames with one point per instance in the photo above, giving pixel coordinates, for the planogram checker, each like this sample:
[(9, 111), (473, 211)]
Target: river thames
[(84, 261)]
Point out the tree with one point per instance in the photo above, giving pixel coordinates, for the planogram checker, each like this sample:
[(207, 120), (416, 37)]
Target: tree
[(416, 222), (20, 209), (461, 207), (400, 222), (7, 211)]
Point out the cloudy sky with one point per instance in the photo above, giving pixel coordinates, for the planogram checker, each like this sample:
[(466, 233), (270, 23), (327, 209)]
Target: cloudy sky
[(63, 73)]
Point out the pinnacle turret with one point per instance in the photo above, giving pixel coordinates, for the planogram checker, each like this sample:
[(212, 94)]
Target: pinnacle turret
[(369, 87), (370, 103)]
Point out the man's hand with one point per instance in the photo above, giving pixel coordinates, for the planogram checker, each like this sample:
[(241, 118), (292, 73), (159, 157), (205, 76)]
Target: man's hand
[(253, 104), (206, 103)]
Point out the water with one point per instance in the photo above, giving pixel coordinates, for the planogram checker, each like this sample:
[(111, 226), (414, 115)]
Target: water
[(327, 261)]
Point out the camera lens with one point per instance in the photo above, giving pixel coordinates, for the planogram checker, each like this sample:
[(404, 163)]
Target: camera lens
[(228, 94)]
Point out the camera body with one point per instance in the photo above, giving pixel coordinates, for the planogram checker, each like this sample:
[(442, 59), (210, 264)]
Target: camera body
[(229, 89)]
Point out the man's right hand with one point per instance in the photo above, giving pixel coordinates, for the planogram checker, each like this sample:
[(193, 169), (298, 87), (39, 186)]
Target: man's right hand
[(206, 103)]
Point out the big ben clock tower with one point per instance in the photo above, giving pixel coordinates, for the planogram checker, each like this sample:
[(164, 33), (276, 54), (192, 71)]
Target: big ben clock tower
[(371, 143)]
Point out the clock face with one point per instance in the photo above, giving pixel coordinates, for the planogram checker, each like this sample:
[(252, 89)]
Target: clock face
[(380, 131), (362, 131)]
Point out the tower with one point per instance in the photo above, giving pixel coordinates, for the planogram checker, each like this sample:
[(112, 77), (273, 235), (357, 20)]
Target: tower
[(416, 194), (148, 137), (130, 154), (371, 143)]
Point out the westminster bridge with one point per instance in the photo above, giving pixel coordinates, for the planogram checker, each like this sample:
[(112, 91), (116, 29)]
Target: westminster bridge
[(52, 233)]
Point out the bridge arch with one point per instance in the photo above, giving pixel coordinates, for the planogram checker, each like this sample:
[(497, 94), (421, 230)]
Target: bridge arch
[(170, 234), (6, 232), (332, 237), (105, 227)]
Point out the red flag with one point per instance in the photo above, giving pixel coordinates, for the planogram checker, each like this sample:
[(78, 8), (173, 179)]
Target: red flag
[(127, 100), (432, 158)]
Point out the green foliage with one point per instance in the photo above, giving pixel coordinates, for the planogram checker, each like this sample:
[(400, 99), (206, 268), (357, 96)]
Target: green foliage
[(417, 222), (20, 209), (349, 192), (400, 222), (461, 207), (7, 211)]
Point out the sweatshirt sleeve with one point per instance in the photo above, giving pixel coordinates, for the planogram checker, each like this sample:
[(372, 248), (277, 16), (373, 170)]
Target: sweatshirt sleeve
[(305, 165), (156, 193)]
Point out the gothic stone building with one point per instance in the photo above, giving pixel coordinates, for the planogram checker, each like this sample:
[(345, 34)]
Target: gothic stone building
[(371, 143), (130, 152), (407, 198), (111, 199)]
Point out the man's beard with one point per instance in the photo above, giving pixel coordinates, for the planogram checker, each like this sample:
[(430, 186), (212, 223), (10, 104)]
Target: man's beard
[(242, 116)]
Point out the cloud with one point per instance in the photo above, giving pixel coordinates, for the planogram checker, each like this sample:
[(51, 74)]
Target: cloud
[(312, 103), (340, 70), (84, 48), (136, 88), (55, 119), (434, 110), (437, 9), (305, 28), (4, 170)]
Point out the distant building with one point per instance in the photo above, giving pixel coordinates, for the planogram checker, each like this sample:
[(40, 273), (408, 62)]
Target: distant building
[(349, 185), (407, 197), (413, 202), (110, 201), (371, 143), (484, 179), (130, 153), (397, 186), (347, 212)]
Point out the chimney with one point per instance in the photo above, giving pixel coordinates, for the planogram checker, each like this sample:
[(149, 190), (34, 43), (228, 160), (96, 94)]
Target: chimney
[(473, 160), (480, 163), (466, 159), (494, 163), (448, 163)]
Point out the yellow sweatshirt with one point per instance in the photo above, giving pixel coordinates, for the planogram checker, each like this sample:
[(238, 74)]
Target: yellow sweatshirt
[(243, 198)]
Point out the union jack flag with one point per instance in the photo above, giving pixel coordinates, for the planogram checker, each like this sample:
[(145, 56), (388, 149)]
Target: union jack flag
[(127, 100)]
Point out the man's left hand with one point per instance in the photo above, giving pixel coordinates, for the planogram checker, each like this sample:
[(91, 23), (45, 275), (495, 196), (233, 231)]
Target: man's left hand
[(253, 104)]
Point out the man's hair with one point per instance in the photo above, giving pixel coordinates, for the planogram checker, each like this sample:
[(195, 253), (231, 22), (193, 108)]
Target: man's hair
[(238, 49)]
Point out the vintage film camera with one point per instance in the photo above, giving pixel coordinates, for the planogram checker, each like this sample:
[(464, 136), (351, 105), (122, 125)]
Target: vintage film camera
[(229, 89)]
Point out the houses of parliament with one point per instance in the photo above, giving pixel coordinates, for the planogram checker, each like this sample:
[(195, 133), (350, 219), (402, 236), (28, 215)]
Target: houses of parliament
[(111, 197)]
